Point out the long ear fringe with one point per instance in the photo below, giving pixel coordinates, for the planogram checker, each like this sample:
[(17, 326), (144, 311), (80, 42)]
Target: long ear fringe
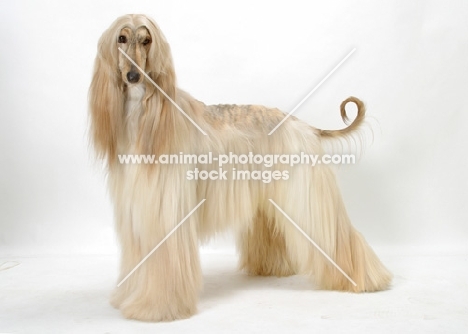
[(106, 99), (161, 120), (106, 110)]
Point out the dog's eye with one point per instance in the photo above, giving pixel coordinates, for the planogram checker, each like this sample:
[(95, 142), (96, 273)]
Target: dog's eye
[(122, 39), (146, 41)]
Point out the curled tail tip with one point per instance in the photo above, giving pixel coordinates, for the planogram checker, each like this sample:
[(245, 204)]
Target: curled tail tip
[(361, 111)]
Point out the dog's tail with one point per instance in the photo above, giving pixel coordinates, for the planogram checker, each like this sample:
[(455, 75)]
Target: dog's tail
[(361, 111)]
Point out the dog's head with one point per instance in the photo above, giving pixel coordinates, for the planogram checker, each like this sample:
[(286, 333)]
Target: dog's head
[(136, 43), (139, 38)]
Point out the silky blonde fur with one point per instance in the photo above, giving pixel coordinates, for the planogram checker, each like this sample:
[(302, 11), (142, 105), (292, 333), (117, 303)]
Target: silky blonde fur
[(150, 200)]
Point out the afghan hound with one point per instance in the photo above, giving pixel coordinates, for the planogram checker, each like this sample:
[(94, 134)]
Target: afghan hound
[(130, 115)]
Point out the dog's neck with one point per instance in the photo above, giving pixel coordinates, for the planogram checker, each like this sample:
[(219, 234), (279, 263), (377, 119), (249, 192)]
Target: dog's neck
[(133, 111)]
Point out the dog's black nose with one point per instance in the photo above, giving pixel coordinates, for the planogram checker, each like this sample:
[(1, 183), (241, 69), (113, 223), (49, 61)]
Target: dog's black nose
[(133, 76)]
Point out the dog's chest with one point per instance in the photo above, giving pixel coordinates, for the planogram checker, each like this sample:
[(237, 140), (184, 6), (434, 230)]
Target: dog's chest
[(133, 110)]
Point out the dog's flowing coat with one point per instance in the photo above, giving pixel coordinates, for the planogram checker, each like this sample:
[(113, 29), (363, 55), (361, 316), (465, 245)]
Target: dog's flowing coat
[(130, 116)]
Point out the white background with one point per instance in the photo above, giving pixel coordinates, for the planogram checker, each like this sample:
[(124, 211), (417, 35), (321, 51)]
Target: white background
[(410, 67)]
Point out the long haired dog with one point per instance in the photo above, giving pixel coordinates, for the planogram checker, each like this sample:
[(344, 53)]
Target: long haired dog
[(129, 115)]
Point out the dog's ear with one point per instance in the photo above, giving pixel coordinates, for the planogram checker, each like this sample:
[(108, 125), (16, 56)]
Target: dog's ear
[(166, 78), (158, 119), (159, 60), (106, 100)]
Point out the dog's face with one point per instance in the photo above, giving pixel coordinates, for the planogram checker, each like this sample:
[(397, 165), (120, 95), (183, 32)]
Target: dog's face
[(136, 44)]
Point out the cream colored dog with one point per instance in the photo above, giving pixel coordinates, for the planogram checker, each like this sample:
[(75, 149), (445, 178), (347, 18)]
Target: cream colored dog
[(129, 115)]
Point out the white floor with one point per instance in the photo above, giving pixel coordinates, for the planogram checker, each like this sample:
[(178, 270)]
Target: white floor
[(70, 295)]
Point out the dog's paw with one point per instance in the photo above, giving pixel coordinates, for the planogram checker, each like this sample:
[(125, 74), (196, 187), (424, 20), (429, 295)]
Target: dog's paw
[(377, 282), (366, 282), (147, 311)]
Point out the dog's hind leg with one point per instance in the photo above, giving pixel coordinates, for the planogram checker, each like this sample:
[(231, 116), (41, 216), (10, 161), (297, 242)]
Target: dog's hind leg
[(319, 211), (263, 249)]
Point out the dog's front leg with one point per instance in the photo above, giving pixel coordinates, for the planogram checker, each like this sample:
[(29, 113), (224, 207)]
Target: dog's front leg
[(167, 283)]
